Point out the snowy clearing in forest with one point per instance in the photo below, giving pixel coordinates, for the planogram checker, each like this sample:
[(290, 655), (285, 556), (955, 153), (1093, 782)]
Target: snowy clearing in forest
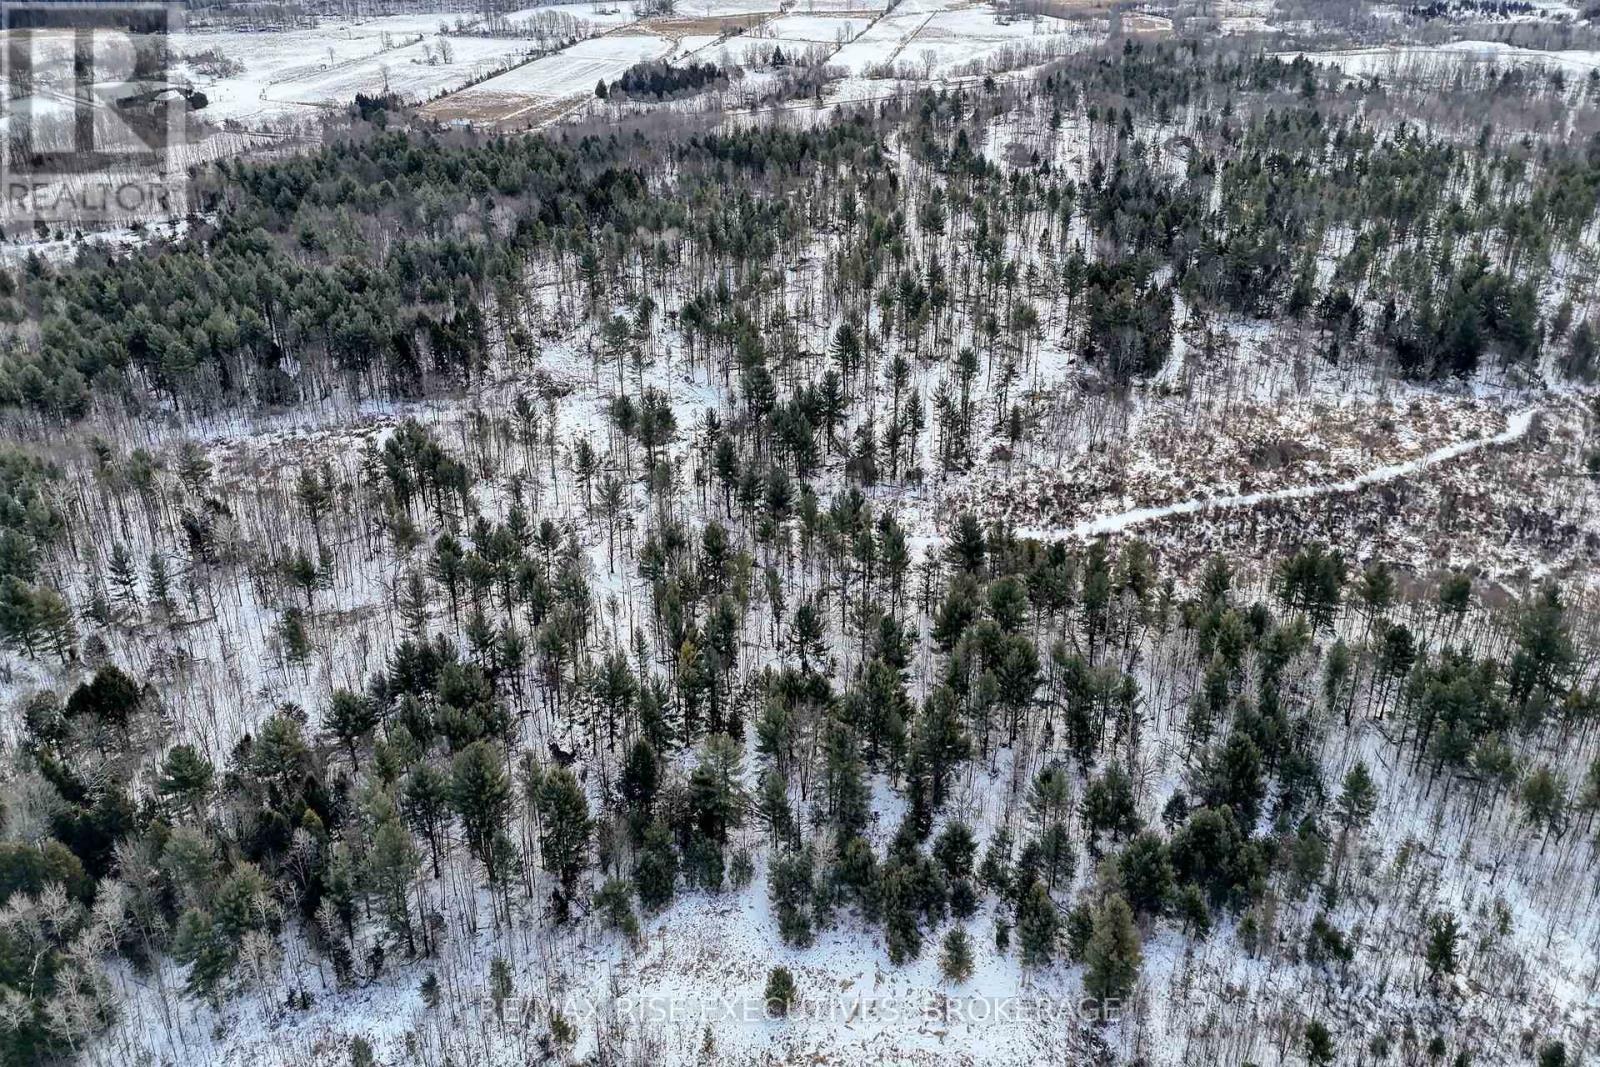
[(1516, 426), (1442, 60)]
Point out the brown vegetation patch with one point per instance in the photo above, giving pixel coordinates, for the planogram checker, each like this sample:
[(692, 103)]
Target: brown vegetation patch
[(504, 110), (677, 27), (1068, 9)]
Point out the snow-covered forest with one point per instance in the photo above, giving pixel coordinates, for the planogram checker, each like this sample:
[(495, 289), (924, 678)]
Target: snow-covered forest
[(1096, 565)]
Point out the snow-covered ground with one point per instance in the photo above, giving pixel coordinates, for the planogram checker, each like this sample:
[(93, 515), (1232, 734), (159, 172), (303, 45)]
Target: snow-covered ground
[(1516, 425), (1443, 59), (291, 76), (1326, 445), (286, 76), (570, 75), (706, 958)]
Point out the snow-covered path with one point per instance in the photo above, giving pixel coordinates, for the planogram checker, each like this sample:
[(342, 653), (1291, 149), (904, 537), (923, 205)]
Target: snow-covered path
[(1516, 426)]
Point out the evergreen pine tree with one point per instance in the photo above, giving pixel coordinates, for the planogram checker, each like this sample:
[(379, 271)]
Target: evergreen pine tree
[(1038, 925), (350, 718), (781, 992), (1444, 933), (481, 796), (425, 798), (1113, 956), (955, 962), (564, 819), (186, 778)]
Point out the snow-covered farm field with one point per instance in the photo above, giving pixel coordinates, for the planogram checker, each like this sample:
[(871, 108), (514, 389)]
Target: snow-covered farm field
[(502, 71), (477, 70), (581, 66), (416, 70), (924, 38), (881, 44), (289, 74), (825, 29), (269, 78), (970, 36), (570, 75), (1437, 61)]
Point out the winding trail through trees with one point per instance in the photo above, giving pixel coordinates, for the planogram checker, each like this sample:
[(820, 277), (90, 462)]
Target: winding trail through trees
[(1516, 426)]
